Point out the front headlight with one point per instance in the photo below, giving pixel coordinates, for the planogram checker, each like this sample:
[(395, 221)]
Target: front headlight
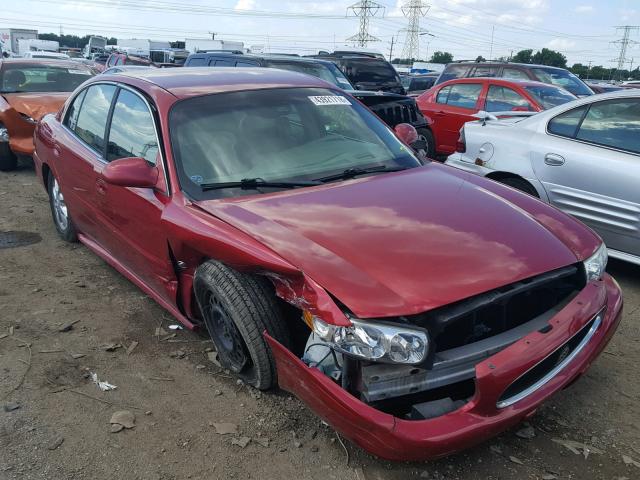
[(4, 133), (375, 341), (596, 264)]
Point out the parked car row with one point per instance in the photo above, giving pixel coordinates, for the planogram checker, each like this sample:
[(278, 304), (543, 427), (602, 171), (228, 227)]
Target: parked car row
[(416, 308)]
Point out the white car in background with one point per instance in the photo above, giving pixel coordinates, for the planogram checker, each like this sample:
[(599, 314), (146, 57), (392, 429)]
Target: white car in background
[(582, 157)]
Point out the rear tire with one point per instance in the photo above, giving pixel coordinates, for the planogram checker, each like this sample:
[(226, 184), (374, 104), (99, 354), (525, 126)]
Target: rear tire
[(8, 159), (426, 136), (236, 309), (59, 211), (520, 184)]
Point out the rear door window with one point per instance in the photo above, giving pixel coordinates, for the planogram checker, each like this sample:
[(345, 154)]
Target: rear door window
[(132, 131), (503, 99), (198, 62), (246, 64), (566, 124), (222, 63), (464, 95), (92, 119), (514, 74), (615, 123), (484, 72)]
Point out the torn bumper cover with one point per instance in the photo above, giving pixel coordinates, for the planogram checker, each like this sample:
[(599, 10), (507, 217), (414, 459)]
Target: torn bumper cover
[(509, 385)]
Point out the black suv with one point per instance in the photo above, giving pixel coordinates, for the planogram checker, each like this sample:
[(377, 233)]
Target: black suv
[(516, 71), (392, 108), (366, 71)]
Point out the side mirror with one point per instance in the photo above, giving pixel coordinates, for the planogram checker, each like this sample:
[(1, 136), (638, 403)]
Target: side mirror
[(131, 172), (406, 132)]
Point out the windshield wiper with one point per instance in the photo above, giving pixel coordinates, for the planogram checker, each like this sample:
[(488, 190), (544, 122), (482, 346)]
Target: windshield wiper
[(356, 171), (255, 183)]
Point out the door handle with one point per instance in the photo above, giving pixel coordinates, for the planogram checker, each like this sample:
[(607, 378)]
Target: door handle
[(440, 113), (101, 186), (553, 159), (56, 151)]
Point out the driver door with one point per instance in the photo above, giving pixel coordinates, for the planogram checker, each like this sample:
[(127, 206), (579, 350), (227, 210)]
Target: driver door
[(135, 233)]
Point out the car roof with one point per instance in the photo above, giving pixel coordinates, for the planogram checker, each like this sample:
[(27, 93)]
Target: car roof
[(498, 81), (186, 82), (40, 61), (271, 57), (504, 64)]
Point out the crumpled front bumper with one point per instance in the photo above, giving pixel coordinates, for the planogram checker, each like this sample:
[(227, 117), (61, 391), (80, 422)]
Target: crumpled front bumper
[(480, 419)]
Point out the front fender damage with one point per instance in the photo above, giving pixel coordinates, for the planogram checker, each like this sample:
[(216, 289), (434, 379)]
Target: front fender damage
[(304, 293)]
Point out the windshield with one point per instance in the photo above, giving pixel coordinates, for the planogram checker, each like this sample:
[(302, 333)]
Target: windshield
[(287, 134), (562, 78), (550, 96), (15, 78), (327, 72), (370, 71)]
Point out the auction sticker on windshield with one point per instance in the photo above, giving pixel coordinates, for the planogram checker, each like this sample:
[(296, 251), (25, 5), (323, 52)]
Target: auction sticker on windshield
[(329, 100)]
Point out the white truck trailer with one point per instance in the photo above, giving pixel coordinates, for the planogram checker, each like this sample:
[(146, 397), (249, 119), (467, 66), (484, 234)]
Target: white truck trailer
[(35, 45), (10, 37), (194, 45)]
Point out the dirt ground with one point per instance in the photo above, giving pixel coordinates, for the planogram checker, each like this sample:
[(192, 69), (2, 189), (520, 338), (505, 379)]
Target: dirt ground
[(54, 421)]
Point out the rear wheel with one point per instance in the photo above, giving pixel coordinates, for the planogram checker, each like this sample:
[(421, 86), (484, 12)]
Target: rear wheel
[(520, 184), (8, 159), (236, 309), (60, 212)]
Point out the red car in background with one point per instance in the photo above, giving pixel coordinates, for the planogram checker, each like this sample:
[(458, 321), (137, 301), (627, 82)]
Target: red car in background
[(418, 309), (30, 89), (448, 106)]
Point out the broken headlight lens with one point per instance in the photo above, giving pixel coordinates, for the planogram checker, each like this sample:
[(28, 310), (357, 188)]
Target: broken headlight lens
[(596, 264), (375, 341)]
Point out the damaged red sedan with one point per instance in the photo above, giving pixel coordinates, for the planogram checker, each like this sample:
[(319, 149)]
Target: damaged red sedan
[(416, 308), (29, 89)]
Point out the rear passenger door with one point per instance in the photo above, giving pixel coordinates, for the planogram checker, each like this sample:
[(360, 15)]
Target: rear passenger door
[(589, 164), (80, 159), (455, 105)]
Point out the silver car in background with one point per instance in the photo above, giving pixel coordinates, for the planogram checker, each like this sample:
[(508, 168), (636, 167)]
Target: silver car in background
[(582, 157)]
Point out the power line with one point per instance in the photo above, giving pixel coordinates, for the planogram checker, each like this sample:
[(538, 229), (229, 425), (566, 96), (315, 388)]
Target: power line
[(624, 43), (413, 10), (364, 9)]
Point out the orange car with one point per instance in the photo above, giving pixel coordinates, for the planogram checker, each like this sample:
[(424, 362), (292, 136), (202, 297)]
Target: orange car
[(29, 89)]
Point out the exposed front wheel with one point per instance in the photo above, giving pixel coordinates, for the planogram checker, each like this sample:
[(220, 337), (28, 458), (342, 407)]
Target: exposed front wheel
[(60, 212), (8, 159), (236, 309), (428, 143)]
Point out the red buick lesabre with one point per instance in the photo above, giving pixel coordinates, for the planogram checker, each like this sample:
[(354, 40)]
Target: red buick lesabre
[(416, 308)]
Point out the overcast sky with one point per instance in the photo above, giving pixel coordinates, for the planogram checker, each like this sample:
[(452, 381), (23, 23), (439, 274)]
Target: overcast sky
[(582, 29)]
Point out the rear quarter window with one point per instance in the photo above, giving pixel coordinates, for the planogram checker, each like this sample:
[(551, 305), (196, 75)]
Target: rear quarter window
[(566, 124), (453, 71)]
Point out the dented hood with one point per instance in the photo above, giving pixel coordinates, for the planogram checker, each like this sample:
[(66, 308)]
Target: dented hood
[(403, 243), (36, 105)]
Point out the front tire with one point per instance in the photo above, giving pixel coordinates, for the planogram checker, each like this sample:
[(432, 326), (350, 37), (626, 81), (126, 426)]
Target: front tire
[(236, 309), (60, 212), (520, 184), (8, 159), (425, 135)]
